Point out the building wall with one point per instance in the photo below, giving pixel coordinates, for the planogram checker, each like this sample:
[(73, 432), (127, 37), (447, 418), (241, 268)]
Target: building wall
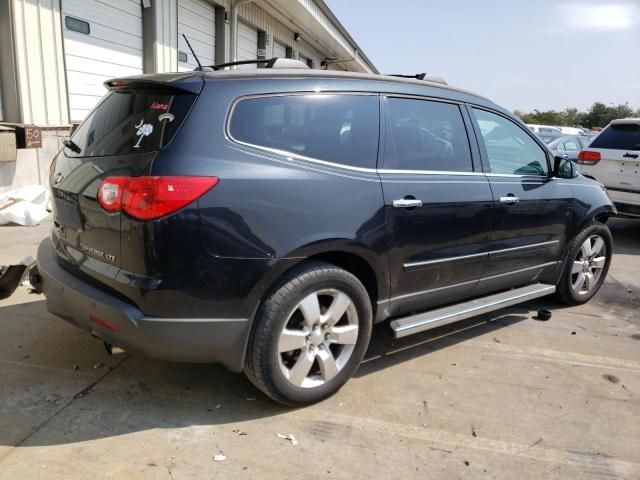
[(42, 88), (32, 164)]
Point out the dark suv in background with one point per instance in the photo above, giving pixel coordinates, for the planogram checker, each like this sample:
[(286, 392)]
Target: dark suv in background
[(265, 219)]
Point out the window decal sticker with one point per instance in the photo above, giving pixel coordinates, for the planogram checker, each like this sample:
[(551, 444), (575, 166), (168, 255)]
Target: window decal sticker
[(159, 106), (144, 130)]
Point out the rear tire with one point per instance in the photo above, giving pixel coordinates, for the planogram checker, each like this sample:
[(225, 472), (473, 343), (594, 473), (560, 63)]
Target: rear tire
[(310, 335), (586, 266)]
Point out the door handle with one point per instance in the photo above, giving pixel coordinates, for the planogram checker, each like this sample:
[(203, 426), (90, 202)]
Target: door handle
[(407, 202), (509, 199)]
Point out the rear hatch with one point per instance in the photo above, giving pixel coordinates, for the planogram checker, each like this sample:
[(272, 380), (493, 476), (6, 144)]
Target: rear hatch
[(613, 158), (119, 138)]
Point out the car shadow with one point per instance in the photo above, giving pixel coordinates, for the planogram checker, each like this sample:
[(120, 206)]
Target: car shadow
[(54, 374), (385, 351)]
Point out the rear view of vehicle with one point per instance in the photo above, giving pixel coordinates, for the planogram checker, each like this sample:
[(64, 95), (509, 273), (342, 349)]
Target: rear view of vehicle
[(613, 158), (126, 226)]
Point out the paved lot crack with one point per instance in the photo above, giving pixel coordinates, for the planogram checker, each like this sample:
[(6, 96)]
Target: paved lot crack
[(82, 393)]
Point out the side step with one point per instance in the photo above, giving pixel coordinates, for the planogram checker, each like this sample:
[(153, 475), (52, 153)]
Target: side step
[(403, 327)]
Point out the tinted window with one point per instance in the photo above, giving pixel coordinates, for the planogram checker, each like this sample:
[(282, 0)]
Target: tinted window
[(620, 137), (509, 149), (425, 135), (131, 121), (336, 128)]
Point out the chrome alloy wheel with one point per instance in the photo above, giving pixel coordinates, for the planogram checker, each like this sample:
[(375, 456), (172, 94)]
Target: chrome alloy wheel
[(588, 265), (318, 338)]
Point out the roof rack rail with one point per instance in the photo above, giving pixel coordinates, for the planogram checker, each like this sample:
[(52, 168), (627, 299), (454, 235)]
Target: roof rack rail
[(421, 76), (275, 62)]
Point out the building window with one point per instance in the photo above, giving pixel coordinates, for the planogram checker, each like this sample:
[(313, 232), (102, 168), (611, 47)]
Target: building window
[(182, 57), (77, 25)]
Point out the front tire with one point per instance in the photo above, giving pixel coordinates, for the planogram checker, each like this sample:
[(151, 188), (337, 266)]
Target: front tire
[(586, 266), (310, 335)]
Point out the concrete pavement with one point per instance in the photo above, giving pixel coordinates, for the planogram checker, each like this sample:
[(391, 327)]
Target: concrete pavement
[(499, 396)]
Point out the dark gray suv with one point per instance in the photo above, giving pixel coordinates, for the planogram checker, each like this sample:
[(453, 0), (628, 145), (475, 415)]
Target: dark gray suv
[(265, 219)]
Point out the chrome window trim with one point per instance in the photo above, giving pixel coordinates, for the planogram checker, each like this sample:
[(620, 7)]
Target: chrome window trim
[(430, 172), (462, 284), (311, 166), (513, 175), (285, 153), (475, 255)]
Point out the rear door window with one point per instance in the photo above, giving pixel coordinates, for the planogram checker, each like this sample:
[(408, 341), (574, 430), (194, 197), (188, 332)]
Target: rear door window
[(335, 128), (426, 135), (131, 121), (619, 137)]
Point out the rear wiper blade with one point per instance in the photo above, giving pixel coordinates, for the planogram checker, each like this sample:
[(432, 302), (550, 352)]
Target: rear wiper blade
[(67, 142)]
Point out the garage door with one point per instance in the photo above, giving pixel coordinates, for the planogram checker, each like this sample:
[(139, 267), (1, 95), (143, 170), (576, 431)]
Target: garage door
[(196, 19), (247, 43), (279, 50), (102, 40)]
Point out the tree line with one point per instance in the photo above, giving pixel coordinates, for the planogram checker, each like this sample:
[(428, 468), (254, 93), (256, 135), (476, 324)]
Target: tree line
[(598, 115)]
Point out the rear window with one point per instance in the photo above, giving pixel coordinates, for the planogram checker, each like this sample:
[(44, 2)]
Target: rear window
[(336, 128), (618, 137), (131, 121)]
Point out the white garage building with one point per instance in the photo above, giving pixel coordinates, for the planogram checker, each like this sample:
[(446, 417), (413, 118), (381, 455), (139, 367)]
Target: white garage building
[(56, 54)]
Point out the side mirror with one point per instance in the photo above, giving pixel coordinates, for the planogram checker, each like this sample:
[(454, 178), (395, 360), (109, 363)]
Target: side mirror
[(564, 168)]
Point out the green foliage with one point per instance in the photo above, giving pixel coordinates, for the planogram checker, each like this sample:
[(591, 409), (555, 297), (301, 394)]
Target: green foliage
[(599, 115)]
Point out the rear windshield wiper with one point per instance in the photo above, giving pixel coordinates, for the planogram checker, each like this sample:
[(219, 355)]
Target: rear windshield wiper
[(67, 142)]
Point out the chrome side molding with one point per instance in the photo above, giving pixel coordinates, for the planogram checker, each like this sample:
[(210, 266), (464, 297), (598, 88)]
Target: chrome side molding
[(421, 322), (474, 255)]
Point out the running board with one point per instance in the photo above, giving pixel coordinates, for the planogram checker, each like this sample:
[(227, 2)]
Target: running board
[(403, 327)]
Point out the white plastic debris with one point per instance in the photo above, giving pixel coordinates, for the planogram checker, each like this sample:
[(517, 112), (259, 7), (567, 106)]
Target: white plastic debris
[(289, 437), (219, 457), (25, 206)]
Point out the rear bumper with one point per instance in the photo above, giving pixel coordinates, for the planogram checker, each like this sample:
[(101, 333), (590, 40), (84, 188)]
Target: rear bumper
[(626, 201), (203, 340), (624, 197)]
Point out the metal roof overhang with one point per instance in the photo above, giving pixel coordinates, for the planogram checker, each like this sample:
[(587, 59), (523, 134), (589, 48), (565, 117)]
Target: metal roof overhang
[(321, 29)]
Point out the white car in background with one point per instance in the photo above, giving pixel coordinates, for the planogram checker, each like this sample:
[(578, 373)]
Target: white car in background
[(613, 158), (571, 131), (545, 132)]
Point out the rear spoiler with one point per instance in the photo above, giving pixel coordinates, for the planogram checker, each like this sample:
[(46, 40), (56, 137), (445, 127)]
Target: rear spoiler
[(173, 83), (625, 121)]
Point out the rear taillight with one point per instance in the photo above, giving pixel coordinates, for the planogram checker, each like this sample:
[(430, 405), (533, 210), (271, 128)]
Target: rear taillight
[(587, 157), (147, 198)]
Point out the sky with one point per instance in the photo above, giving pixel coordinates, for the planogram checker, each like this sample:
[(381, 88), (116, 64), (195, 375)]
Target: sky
[(522, 54)]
